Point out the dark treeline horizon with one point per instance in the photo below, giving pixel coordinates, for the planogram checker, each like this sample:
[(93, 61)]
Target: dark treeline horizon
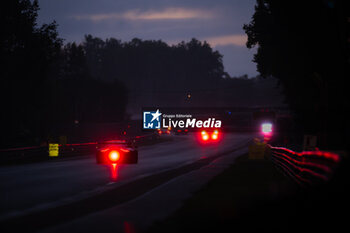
[(158, 74), (46, 83)]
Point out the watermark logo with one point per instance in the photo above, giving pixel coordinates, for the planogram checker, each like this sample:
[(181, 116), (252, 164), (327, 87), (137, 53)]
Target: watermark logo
[(152, 119), (174, 120)]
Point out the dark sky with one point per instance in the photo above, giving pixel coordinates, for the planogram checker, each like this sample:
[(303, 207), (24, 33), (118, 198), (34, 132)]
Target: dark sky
[(219, 22)]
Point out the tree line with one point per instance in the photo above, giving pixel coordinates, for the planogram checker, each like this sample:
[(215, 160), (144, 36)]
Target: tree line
[(305, 46), (46, 83)]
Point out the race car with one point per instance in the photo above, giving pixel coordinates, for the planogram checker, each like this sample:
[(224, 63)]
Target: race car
[(163, 131), (116, 152), (180, 131), (209, 135)]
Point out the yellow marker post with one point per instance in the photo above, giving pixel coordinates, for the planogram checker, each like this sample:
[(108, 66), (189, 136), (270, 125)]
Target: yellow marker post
[(53, 149)]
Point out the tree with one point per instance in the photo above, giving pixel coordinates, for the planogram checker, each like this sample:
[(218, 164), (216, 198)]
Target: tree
[(150, 68), (302, 45), (26, 54)]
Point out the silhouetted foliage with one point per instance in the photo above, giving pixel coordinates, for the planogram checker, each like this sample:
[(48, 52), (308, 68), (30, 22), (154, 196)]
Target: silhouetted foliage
[(79, 94), (46, 85), (152, 62), (26, 54), (302, 44), (157, 74)]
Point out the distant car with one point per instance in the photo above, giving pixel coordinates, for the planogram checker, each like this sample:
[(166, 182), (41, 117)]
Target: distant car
[(116, 152), (209, 135), (163, 131), (180, 131)]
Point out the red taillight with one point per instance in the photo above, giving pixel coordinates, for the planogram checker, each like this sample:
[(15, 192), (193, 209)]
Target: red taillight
[(117, 154), (114, 156), (215, 135), (204, 135), (209, 136)]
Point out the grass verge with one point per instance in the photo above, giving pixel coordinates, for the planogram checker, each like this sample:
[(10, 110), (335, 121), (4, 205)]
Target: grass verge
[(253, 196)]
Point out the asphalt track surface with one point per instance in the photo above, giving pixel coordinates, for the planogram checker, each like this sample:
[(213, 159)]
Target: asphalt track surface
[(44, 195)]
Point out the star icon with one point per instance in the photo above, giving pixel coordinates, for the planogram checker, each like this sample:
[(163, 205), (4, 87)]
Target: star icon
[(156, 115)]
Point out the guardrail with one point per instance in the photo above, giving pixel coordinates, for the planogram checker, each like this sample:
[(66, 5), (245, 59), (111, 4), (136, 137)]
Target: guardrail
[(40, 153), (308, 168)]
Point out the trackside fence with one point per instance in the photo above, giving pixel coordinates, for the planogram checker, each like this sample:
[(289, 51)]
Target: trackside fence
[(307, 168), (40, 153)]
